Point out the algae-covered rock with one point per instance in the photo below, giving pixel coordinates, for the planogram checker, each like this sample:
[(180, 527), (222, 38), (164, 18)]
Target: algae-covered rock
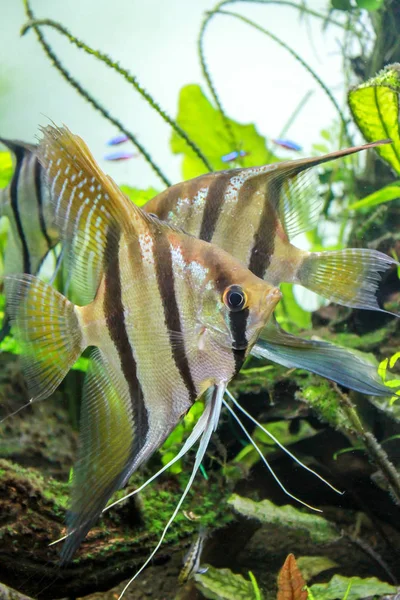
[(32, 514), (319, 529)]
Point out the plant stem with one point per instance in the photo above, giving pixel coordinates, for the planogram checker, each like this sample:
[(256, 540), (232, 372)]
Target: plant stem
[(89, 98), (375, 451), (126, 75)]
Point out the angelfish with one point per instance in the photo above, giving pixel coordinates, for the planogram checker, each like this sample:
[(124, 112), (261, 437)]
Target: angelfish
[(254, 213), (191, 560), (25, 203), (172, 317)]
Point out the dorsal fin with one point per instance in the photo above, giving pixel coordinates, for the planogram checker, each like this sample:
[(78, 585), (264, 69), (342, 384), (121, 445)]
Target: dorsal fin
[(298, 204), (89, 207), (80, 193)]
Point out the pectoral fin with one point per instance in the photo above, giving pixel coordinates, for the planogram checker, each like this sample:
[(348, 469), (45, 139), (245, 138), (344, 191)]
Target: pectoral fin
[(347, 367)]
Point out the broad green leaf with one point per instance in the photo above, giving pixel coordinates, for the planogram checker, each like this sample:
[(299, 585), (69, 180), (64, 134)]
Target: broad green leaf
[(319, 529), (375, 109), (310, 566), (370, 4), (289, 312), (205, 126), (385, 194), (139, 197), (222, 584), (6, 169), (356, 587)]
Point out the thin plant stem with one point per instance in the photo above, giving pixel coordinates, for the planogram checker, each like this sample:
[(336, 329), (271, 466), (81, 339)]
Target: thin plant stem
[(200, 45), (89, 98), (375, 451), (132, 79), (298, 58), (296, 113), (208, 78)]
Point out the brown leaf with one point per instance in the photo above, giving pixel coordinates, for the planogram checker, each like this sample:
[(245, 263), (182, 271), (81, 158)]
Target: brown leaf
[(291, 584)]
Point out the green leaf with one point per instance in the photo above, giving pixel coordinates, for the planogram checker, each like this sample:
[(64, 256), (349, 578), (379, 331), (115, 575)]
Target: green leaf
[(341, 4), (375, 109), (139, 197), (319, 529), (310, 566), (222, 584), (205, 126), (6, 169), (289, 312), (356, 587), (385, 194), (370, 4)]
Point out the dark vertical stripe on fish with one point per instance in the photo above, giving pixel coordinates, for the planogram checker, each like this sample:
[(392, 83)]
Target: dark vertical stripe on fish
[(264, 238), (168, 201), (166, 286), (213, 205), (19, 156), (238, 324), (114, 313), (38, 188)]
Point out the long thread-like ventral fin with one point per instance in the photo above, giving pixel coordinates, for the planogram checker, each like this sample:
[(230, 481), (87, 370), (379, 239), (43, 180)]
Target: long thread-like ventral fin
[(349, 277), (349, 368), (47, 326), (191, 440), (209, 425)]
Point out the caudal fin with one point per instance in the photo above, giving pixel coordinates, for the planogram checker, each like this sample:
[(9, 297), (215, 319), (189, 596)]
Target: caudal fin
[(349, 277), (47, 326)]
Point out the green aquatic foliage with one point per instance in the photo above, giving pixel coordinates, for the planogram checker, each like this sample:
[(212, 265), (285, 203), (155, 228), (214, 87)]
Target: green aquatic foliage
[(383, 372), (386, 194), (138, 196), (222, 584), (175, 440), (249, 456), (311, 566), (351, 588), (347, 5), (289, 313), (319, 529), (6, 169), (370, 5), (205, 125), (375, 109)]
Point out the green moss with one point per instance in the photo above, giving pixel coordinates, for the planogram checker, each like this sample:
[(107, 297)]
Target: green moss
[(389, 76), (366, 342), (320, 395), (255, 379)]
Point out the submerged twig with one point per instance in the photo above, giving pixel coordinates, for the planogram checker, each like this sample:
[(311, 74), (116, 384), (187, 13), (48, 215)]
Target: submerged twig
[(89, 98), (113, 64), (375, 451)]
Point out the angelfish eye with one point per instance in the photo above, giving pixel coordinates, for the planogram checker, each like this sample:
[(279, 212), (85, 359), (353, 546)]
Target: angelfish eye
[(235, 298)]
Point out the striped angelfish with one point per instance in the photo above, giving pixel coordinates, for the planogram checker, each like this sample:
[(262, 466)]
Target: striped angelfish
[(253, 213), (25, 203), (173, 317), (191, 560)]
